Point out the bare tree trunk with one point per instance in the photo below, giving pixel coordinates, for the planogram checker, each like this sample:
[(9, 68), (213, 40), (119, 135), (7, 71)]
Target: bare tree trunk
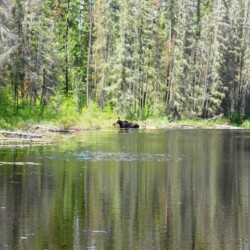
[(21, 56), (102, 99), (197, 38), (204, 103), (241, 85), (58, 6), (205, 91), (170, 65), (43, 101), (88, 86), (14, 89), (66, 53), (140, 71)]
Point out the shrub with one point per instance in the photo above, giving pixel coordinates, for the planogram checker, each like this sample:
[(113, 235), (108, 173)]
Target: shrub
[(236, 119), (246, 124), (4, 124)]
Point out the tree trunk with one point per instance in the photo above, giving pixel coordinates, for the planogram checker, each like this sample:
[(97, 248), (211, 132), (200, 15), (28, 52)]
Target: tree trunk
[(21, 61), (102, 97), (170, 64), (66, 53), (43, 95), (88, 86), (241, 85)]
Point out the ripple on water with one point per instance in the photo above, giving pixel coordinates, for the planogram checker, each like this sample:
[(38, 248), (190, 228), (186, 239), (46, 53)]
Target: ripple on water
[(125, 156)]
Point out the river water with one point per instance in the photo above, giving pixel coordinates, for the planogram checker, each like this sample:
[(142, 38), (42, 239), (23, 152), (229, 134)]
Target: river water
[(115, 189)]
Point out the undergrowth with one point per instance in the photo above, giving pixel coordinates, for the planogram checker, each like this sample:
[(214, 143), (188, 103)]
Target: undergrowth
[(63, 112)]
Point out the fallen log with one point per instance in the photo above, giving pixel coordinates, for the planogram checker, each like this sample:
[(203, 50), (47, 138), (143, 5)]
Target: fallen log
[(23, 141), (216, 117), (20, 139), (36, 134), (19, 134), (50, 129)]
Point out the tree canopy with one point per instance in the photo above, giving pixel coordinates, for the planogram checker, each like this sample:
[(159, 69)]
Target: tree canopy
[(139, 58)]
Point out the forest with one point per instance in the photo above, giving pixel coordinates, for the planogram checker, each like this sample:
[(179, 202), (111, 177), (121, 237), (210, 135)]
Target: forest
[(137, 58)]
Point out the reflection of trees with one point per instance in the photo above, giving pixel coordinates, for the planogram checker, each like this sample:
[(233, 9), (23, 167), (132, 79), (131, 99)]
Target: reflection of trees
[(200, 201)]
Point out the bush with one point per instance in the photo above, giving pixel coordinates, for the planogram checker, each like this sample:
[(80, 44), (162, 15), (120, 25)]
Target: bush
[(67, 121), (246, 124), (236, 119), (4, 124)]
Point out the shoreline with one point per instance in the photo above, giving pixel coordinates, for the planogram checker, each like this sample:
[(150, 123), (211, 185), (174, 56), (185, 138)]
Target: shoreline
[(48, 135)]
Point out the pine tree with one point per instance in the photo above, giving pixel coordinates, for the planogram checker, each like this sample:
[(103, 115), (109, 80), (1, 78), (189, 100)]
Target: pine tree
[(122, 61), (236, 55), (212, 61), (148, 86), (189, 58), (73, 27), (8, 46), (33, 66), (245, 50), (7, 34), (40, 58), (106, 28), (174, 99)]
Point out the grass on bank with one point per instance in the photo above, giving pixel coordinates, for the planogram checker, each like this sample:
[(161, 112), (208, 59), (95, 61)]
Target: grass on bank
[(65, 115)]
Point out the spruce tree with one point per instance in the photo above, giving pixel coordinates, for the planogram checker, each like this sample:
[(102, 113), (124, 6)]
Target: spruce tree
[(105, 31)]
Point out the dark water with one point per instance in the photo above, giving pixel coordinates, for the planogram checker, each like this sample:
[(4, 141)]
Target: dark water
[(174, 189)]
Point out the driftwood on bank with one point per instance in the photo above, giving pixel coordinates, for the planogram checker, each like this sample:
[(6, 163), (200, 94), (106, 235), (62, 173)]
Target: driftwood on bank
[(22, 141), (20, 138), (35, 134), (10, 134), (215, 117), (50, 129)]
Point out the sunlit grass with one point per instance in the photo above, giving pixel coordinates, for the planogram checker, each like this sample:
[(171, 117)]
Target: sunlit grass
[(246, 124), (160, 122), (64, 114)]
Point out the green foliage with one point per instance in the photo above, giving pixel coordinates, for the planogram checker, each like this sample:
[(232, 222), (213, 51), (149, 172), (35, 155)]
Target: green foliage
[(146, 112), (4, 124), (5, 103), (246, 124), (147, 58), (66, 121), (236, 119), (207, 7)]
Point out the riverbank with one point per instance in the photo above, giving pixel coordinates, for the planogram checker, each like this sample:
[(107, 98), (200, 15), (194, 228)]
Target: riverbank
[(50, 133), (65, 117)]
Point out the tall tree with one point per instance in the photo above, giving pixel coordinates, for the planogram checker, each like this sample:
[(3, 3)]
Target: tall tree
[(8, 46), (236, 75), (187, 57), (147, 86), (122, 60), (73, 32), (213, 39), (105, 31), (7, 33), (91, 26), (33, 67)]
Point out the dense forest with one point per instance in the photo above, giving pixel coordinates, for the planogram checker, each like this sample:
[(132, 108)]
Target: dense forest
[(179, 58)]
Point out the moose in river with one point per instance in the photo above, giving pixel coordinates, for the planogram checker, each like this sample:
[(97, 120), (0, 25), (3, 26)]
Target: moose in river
[(126, 124)]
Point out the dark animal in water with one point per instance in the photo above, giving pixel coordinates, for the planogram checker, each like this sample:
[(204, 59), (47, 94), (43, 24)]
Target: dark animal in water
[(126, 124)]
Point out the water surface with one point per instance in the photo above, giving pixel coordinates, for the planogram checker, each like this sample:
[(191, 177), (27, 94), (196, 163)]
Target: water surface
[(166, 189)]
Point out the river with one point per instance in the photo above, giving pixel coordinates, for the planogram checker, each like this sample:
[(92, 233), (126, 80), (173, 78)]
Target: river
[(136, 189)]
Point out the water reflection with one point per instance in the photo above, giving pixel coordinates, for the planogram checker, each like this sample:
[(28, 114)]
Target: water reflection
[(140, 190)]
